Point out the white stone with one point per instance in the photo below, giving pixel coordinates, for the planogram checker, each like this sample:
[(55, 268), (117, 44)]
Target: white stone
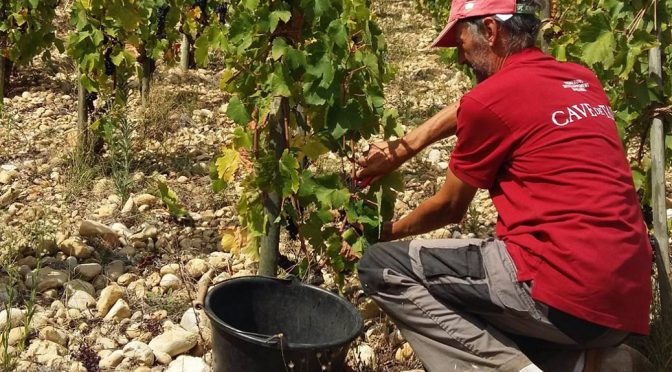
[(45, 352), (88, 271), (174, 341), (52, 334), (16, 318), (75, 247), (186, 363), (404, 353), (46, 278), (111, 361), (7, 176), (162, 358), (170, 281), (90, 228), (119, 311), (114, 270), (129, 207), (140, 352), (365, 355), (108, 297), (145, 199), (434, 156), (81, 300), (194, 321), (126, 279), (196, 267), (16, 335), (170, 269), (79, 285)]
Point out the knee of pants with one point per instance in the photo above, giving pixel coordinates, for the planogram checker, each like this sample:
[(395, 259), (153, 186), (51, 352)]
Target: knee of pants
[(370, 269)]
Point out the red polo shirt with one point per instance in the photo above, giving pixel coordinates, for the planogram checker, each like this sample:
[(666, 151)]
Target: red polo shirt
[(540, 136)]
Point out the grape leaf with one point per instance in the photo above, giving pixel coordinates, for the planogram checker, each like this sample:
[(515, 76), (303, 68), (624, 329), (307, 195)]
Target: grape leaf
[(237, 111), (227, 164)]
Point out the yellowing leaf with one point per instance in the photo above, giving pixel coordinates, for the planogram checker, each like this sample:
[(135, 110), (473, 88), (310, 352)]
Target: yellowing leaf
[(227, 74), (229, 242), (86, 4), (227, 164)]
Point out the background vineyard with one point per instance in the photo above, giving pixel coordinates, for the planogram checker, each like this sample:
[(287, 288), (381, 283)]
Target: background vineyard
[(303, 84)]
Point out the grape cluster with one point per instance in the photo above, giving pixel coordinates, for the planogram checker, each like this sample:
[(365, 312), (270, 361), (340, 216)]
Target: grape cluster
[(161, 14), (292, 229), (89, 100), (201, 4), (647, 213), (221, 10), (110, 68)]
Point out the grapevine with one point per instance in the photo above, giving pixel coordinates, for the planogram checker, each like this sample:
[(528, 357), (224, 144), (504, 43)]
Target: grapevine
[(315, 71)]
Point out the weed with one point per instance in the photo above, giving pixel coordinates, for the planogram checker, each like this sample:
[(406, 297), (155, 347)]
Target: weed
[(81, 172), (165, 109), (117, 132), (11, 241), (174, 305)]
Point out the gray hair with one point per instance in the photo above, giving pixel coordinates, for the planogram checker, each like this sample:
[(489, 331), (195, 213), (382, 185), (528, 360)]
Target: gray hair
[(520, 30)]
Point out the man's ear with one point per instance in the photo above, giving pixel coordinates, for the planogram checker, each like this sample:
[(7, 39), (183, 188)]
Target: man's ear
[(491, 30)]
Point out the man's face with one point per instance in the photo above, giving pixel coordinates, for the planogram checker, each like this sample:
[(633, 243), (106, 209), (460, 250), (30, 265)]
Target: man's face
[(474, 51)]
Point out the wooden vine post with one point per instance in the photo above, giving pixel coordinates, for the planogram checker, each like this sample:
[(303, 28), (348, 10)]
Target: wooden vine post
[(184, 52), (657, 135), (269, 250), (4, 61)]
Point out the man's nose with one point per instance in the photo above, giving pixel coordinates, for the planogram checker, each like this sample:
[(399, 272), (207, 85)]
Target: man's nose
[(460, 56)]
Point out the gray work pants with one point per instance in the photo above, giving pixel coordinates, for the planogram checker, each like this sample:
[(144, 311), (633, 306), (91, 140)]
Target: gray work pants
[(460, 306)]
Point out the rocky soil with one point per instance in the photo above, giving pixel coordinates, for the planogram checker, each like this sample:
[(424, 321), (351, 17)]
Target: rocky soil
[(92, 281)]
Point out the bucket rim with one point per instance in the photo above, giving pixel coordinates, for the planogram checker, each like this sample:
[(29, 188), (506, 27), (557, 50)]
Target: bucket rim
[(273, 340)]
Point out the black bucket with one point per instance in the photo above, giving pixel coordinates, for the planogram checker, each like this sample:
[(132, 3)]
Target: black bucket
[(262, 324)]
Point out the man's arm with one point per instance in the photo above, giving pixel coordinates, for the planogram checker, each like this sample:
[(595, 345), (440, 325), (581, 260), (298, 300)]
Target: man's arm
[(384, 157), (445, 207)]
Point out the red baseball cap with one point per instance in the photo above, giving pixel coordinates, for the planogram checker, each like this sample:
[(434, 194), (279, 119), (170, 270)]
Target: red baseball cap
[(461, 9)]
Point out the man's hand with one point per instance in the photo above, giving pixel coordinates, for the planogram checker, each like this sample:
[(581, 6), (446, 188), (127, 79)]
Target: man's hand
[(381, 159), (384, 157)]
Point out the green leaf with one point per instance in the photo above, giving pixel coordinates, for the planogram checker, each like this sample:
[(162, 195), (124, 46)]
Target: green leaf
[(314, 149), (202, 46), (251, 4), (118, 58), (171, 201), (242, 139), (278, 84), (321, 7), (218, 185), (277, 16), (599, 41), (289, 167), (279, 48), (227, 164), (237, 111)]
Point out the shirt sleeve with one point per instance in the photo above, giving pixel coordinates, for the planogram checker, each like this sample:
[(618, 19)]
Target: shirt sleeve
[(484, 143)]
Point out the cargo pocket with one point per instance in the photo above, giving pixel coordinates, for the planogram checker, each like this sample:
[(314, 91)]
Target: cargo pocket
[(456, 277)]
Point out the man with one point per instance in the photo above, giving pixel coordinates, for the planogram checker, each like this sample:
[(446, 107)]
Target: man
[(570, 268)]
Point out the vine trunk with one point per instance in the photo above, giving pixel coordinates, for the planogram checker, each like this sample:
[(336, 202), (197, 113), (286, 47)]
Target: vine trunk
[(269, 251)]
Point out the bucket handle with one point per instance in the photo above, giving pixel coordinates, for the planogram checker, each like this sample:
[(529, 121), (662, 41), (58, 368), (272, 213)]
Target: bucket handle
[(266, 339)]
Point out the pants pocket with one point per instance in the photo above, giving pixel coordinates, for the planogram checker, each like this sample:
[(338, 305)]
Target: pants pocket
[(465, 262), (456, 277)]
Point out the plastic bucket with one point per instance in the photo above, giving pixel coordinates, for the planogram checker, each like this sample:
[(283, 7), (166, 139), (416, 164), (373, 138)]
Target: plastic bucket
[(262, 324)]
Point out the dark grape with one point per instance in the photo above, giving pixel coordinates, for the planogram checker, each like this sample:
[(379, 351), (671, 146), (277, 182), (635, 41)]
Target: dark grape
[(221, 12), (109, 65), (647, 213), (161, 14), (89, 99), (201, 4), (292, 229)]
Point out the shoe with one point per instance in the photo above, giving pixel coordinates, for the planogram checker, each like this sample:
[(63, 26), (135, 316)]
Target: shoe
[(620, 358)]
